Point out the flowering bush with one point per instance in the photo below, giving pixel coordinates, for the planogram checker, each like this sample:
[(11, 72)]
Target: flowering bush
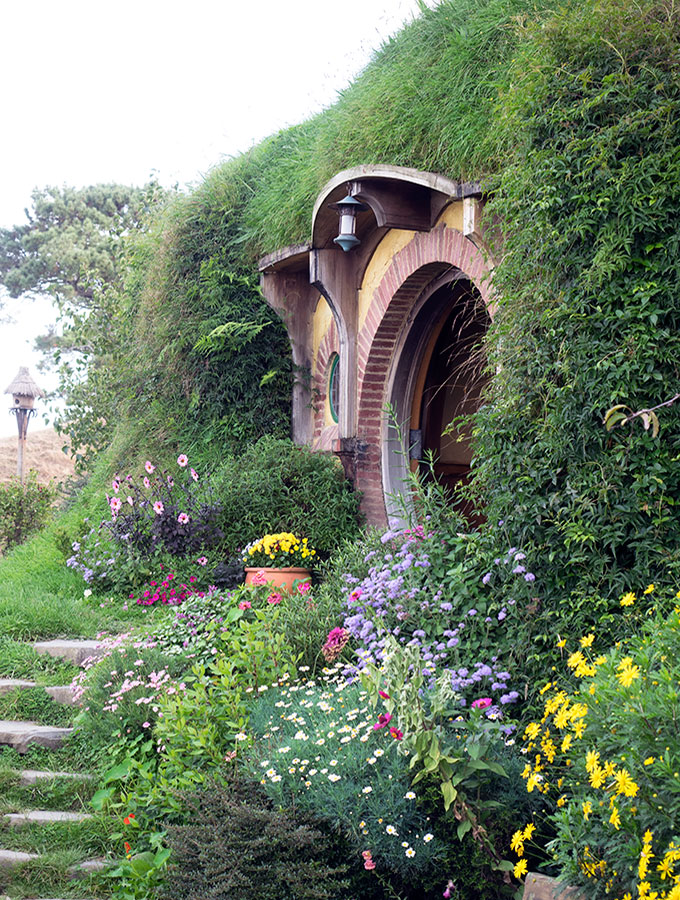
[(279, 551), (608, 755), (319, 747), (451, 626), (154, 520), (121, 693)]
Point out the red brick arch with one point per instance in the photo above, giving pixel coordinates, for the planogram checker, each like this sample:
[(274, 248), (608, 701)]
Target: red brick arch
[(423, 260)]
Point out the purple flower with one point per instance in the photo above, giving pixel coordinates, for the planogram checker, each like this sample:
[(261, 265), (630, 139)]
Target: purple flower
[(487, 578), (518, 570), (530, 576)]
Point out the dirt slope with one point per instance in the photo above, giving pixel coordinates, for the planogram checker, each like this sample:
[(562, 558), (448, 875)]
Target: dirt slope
[(43, 453)]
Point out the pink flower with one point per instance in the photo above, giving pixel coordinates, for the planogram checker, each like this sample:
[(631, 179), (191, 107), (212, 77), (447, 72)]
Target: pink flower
[(245, 604), (274, 599), (303, 587), (115, 484), (146, 483), (182, 460), (368, 861), (194, 474), (146, 724), (396, 734), (158, 507), (383, 695), (383, 720), (202, 560), (149, 466), (130, 501), (182, 518), (115, 504), (335, 642), (482, 703), (258, 577)]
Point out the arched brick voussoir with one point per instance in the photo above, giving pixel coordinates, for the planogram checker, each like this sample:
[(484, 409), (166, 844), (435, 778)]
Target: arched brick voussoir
[(422, 260)]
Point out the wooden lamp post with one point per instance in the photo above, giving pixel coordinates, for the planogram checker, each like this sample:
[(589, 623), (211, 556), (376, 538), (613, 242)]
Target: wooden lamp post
[(24, 391)]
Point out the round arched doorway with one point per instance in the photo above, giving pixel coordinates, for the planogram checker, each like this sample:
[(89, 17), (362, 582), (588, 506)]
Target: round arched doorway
[(435, 383)]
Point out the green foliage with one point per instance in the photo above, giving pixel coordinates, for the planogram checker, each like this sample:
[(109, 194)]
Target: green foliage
[(24, 508), (587, 284), (239, 847), (276, 486)]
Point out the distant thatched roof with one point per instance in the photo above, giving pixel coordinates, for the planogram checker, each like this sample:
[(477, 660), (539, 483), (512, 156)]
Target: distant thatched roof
[(24, 385)]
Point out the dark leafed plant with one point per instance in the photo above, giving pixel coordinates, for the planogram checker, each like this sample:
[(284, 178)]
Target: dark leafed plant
[(238, 847)]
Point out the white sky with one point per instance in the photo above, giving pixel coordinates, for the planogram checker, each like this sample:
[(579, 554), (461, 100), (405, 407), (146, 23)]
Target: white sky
[(96, 92)]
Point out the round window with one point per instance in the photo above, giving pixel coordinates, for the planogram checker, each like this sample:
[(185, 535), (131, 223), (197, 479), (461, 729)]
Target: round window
[(334, 386)]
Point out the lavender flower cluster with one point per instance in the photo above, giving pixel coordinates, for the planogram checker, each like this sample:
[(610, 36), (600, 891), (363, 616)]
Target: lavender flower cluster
[(400, 597)]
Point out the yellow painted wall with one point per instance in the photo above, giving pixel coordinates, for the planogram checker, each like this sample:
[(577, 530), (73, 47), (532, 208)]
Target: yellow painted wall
[(452, 216), (394, 241), (321, 322)]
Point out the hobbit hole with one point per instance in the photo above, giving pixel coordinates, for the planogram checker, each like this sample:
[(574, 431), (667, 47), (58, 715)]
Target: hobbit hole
[(398, 320)]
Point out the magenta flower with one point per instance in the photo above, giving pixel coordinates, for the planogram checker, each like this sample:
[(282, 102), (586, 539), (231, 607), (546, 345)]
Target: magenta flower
[(335, 642), (149, 466), (158, 508), (245, 604), (182, 460), (482, 703), (384, 719), (303, 587), (182, 518), (274, 599), (259, 577), (396, 734), (383, 695)]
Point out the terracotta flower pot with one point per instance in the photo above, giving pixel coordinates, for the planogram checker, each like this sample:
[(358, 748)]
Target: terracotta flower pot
[(283, 579)]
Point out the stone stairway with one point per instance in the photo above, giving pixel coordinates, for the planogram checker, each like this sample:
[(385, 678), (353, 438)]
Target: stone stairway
[(23, 736)]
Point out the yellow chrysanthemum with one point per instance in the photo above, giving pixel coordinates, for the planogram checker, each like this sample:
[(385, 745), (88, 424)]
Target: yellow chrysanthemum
[(521, 868), (628, 599), (588, 640)]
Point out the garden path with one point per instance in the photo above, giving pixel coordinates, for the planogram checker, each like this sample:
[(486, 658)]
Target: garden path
[(44, 851)]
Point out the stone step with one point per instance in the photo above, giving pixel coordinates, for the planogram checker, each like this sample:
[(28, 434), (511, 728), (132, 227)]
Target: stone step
[(60, 693), (32, 776), (76, 652), (21, 735), (42, 816), (7, 685), (9, 859)]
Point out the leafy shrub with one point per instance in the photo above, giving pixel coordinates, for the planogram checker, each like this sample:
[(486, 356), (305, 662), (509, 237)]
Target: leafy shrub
[(239, 847), (24, 509), (586, 200), (607, 754), (276, 486)]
